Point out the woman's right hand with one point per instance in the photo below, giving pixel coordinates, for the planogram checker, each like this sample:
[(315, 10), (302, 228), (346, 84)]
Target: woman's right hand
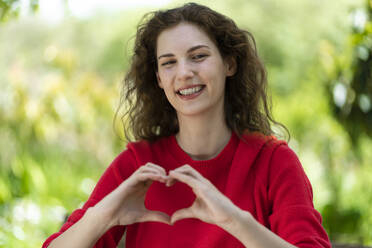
[(125, 205)]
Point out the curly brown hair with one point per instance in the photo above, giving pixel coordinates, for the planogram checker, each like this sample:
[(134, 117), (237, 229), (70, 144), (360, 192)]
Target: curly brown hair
[(149, 115)]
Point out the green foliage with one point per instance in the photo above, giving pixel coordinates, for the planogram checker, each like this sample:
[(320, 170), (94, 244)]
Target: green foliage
[(60, 86), (56, 133), (349, 76), (10, 8)]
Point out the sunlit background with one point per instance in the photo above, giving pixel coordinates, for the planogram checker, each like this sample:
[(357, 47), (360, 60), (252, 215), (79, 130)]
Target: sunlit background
[(61, 65)]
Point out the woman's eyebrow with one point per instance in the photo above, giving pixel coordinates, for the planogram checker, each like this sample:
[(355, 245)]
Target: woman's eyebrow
[(197, 47), (188, 51), (166, 55)]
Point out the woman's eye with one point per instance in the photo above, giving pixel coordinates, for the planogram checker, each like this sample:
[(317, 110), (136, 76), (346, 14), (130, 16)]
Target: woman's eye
[(168, 63), (199, 56)]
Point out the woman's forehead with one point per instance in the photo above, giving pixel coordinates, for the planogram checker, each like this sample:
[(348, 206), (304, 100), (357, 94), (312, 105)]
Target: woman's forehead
[(182, 37)]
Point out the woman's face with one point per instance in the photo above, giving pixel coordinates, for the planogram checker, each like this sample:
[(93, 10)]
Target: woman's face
[(191, 71)]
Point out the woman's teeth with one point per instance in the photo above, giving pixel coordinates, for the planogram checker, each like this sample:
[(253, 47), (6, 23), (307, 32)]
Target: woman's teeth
[(190, 91)]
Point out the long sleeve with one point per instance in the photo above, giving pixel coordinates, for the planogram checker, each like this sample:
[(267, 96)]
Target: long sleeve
[(293, 216), (120, 169)]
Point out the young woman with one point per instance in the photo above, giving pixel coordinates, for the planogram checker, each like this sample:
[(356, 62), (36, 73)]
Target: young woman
[(205, 170)]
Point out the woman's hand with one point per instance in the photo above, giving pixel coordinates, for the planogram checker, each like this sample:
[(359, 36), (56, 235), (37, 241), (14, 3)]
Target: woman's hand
[(210, 205), (125, 205)]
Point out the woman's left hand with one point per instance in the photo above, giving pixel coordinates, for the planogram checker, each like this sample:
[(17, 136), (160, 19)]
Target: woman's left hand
[(210, 205)]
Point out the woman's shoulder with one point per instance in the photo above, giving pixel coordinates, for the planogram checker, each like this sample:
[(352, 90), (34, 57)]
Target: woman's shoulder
[(275, 158), (279, 149), (267, 149), (279, 158), (260, 140)]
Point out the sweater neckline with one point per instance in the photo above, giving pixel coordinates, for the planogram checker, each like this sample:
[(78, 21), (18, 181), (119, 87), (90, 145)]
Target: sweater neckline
[(223, 157)]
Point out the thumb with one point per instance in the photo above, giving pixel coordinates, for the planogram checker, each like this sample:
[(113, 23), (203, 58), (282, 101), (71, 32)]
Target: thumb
[(156, 216), (181, 214)]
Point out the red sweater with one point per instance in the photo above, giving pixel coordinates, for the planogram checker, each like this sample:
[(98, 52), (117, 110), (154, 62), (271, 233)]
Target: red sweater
[(262, 176)]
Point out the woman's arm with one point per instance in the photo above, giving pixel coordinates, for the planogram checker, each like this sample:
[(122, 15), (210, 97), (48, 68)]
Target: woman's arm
[(296, 223), (123, 206), (213, 207), (83, 233), (251, 233), (292, 217)]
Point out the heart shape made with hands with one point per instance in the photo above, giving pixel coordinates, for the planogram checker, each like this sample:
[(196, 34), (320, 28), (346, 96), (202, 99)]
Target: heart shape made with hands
[(209, 205), (163, 204), (158, 188)]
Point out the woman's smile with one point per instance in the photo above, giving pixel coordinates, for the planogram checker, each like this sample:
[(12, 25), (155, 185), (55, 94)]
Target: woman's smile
[(190, 92)]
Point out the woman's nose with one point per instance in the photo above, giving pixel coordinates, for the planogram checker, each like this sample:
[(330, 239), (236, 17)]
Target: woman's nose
[(184, 71)]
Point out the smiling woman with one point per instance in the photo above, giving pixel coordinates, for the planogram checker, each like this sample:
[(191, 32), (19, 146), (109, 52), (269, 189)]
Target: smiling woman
[(204, 156), (192, 72)]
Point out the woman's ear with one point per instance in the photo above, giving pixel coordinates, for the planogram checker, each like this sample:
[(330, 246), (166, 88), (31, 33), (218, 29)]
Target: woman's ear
[(231, 66), (159, 81)]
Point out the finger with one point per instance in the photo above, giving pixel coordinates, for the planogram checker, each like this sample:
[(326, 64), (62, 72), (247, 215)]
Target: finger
[(155, 216), (187, 169), (185, 178), (152, 170), (144, 176), (170, 181), (155, 166), (181, 214)]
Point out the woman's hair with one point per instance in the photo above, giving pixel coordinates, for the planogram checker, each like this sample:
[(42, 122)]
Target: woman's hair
[(150, 116)]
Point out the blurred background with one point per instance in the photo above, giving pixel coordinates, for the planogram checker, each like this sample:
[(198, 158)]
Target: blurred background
[(61, 65)]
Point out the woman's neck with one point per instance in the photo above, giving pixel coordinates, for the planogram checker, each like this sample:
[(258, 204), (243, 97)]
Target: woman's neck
[(203, 138)]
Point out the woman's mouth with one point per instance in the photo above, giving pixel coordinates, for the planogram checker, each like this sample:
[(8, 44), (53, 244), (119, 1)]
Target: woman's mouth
[(190, 93)]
